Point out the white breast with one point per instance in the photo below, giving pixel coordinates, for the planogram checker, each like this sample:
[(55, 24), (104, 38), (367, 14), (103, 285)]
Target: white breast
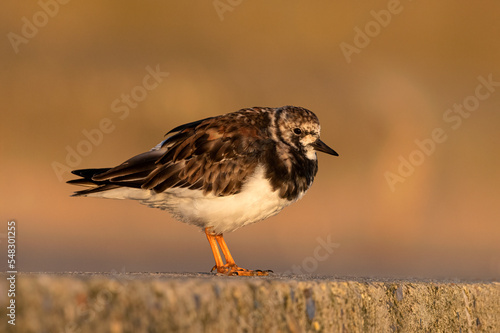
[(255, 202)]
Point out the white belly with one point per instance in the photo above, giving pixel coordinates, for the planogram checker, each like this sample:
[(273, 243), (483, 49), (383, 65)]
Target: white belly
[(254, 203)]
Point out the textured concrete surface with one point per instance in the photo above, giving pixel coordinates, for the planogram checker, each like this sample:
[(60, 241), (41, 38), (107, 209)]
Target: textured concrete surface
[(166, 302)]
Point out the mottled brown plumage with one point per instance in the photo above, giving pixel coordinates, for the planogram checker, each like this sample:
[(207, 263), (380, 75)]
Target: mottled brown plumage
[(220, 173), (215, 155)]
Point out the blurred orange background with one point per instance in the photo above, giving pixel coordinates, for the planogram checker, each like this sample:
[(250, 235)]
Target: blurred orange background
[(380, 75)]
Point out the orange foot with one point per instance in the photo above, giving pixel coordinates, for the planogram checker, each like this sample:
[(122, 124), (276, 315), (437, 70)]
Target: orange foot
[(230, 268), (233, 269)]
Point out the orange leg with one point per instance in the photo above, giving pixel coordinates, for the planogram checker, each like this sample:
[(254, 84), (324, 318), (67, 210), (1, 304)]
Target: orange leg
[(225, 249), (230, 268), (213, 246)]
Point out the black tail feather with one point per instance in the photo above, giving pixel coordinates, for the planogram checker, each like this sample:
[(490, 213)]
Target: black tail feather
[(89, 173), (86, 180), (94, 186)]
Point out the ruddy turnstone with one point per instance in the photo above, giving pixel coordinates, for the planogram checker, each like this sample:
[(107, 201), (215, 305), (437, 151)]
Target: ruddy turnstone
[(220, 173)]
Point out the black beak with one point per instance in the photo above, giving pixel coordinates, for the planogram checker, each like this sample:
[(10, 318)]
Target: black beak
[(319, 145)]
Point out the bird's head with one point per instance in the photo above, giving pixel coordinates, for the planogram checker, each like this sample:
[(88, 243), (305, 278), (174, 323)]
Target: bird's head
[(300, 129)]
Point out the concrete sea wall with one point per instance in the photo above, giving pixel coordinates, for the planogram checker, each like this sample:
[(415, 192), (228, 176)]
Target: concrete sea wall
[(167, 302)]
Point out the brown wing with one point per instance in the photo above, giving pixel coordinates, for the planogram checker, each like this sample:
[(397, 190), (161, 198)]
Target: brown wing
[(215, 155)]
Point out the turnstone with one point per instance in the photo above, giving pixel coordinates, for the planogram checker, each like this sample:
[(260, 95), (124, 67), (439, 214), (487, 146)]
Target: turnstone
[(220, 173)]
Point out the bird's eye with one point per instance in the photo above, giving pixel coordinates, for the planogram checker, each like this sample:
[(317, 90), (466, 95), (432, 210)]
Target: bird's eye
[(297, 131)]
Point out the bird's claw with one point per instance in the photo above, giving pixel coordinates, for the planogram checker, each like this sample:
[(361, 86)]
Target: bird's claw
[(234, 270)]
